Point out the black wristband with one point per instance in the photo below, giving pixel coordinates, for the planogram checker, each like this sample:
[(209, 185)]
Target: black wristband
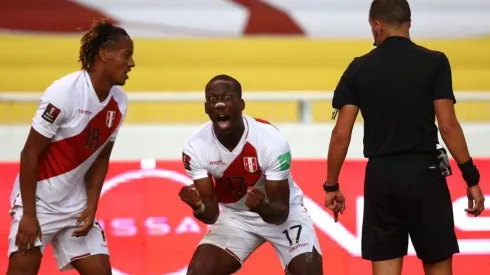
[(470, 173), (330, 188)]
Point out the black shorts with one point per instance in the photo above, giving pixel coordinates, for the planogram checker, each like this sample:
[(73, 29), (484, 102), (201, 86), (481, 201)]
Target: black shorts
[(407, 195)]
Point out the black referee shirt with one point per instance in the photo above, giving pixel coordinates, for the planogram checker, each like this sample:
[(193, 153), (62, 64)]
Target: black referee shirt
[(394, 87)]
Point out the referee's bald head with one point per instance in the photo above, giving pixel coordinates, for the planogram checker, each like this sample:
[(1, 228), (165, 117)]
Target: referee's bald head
[(392, 12)]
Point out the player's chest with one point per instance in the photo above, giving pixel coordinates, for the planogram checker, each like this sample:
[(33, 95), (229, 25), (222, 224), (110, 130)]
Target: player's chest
[(243, 163), (92, 125), (234, 173)]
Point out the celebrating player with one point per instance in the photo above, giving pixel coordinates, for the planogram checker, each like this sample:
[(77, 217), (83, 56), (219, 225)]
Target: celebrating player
[(249, 160), (65, 160)]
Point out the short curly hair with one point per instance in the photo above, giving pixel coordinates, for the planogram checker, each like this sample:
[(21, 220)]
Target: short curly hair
[(394, 12), (223, 77)]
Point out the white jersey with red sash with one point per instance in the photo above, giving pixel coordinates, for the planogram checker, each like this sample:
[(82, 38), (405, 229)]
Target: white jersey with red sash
[(262, 153)]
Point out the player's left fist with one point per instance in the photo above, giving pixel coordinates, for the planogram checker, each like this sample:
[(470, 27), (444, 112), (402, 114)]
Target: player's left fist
[(255, 198)]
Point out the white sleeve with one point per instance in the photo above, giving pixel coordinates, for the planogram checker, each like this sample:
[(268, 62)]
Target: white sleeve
[(54, 109), (193, 165), (116, 132), (277, 161)]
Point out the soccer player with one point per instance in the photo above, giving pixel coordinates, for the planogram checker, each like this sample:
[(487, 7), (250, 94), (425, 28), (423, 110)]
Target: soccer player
[(65, 160), (249, 160)]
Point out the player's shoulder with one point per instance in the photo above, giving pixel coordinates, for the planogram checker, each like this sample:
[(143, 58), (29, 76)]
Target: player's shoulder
[(63, 86), (269, 135), (262, 126), (62, 91), (200, 138)]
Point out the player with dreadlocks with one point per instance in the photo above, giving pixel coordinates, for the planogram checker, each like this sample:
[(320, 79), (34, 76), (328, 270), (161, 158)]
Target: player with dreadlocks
[(65, 160)]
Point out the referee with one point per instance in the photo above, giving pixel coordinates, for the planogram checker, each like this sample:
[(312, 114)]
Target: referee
[(400, 88)]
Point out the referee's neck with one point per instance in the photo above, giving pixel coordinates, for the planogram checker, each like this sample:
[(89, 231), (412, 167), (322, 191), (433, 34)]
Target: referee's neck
[(396, 32)]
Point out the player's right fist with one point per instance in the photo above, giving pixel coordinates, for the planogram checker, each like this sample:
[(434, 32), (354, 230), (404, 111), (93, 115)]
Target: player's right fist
[(189, 195), (255, 198)]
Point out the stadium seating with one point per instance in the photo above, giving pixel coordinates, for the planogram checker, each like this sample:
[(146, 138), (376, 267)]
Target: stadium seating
[(30, 63)]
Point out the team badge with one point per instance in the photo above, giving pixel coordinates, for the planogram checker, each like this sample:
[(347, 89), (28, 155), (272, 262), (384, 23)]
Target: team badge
[(51, 113), (187, 161), (250, 164), (109, 120)]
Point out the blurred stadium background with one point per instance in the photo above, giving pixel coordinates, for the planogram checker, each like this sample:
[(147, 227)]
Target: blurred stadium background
[(288, 55)]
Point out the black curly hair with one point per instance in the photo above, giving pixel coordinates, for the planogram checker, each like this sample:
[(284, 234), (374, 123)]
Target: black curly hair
[(223, 77)]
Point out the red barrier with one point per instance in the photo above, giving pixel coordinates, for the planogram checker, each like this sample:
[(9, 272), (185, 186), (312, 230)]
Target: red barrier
[(150, 231)]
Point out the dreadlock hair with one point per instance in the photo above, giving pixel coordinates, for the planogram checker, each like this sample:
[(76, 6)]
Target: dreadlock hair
[(100, 35)]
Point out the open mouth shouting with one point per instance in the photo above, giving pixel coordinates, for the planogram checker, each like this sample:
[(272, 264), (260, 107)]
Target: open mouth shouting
[(223, 122)]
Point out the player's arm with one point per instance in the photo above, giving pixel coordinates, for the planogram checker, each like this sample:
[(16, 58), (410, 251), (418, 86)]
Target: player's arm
[(275, 209), (52, 111), (345, 104), (204, 202), (35, 146), (451, 131), (208, 210), (95, 176)]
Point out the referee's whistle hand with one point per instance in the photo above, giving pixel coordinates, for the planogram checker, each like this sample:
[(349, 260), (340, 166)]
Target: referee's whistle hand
[(335, 201), (476, 201)]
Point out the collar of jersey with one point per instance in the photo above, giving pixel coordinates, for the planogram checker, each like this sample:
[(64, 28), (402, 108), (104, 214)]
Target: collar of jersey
[(395, 40), (240, 143), (92, 92)]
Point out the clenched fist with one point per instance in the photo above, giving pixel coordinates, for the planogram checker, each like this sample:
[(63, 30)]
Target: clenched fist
[(255, 198), (190, 196)]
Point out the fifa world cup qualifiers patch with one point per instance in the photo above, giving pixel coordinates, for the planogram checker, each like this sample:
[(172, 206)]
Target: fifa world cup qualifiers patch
[(51, 113), (187, 161), (285, 161)]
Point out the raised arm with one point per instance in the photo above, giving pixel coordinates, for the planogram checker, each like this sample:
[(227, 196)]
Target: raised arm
[(200, 196)]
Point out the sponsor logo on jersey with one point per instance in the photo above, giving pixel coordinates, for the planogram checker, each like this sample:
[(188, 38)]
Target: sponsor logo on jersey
[(285, 161), (51, 113), (109, 120), (250, 164), (84, 112), (187, 161), (217, 162)]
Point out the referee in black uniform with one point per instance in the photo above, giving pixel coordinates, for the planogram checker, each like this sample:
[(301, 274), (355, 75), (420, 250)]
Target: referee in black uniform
[(400, 88)]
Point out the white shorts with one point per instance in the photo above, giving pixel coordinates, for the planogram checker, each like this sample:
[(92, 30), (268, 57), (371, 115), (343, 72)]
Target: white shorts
[(240, 236), (57, 229)]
